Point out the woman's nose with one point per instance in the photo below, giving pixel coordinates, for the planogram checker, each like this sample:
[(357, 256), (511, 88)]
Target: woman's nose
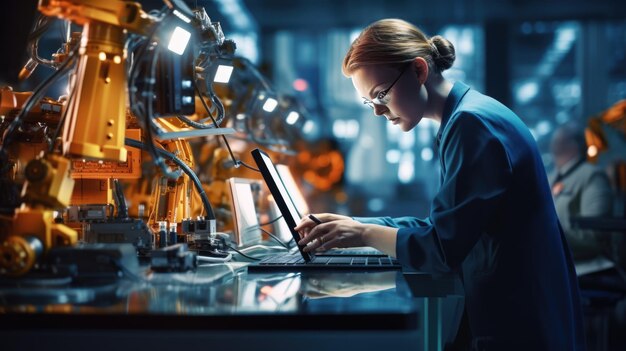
[(379, 110)]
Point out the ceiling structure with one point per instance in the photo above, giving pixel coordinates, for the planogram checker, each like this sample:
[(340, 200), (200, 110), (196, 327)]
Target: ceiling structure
[(272, 15)]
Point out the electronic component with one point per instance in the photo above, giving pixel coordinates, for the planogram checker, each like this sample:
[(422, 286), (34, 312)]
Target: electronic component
[(162, 234), (174, 83), (131, 231), (173, 258), (209, 245), (172, 236), (102, 169), (88, 213), (120, 229), (171, 78), (199, 226), (93, 261)]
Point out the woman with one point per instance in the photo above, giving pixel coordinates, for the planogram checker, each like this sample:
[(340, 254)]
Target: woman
[(493, 219)]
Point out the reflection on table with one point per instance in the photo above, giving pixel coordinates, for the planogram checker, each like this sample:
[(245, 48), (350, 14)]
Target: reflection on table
[(213, 291), (368, 309)]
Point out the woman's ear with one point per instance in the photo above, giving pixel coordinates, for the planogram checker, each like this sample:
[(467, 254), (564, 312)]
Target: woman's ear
[(420, 66)]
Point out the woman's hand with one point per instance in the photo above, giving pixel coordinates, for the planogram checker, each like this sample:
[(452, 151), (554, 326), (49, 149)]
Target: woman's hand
[(334, 231), (306, 223)]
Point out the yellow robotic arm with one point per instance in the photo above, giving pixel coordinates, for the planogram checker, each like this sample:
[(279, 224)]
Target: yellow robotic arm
[(121, 14), (95, 124), (94, 127)]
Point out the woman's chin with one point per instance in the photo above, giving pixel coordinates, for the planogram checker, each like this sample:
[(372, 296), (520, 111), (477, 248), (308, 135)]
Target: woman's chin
[(407, 126)]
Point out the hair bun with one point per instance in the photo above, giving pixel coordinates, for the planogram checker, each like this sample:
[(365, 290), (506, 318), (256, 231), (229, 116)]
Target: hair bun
[(444, 54)]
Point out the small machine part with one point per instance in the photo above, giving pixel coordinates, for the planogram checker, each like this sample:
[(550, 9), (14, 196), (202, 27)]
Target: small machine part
[(121, 228), (103, 169), (162, 234), (130, 231), (199, 226), (213, 246), (47, 186), (19, 253), (93, 261), (172, 236), (47, 182), (202, 239), (174, 85), (89, 213), (174, 258)]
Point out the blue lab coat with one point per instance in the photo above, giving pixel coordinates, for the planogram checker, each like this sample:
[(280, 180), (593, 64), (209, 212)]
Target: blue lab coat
[(493, 221)]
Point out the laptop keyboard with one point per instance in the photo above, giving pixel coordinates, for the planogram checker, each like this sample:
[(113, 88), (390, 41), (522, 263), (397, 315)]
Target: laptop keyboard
[(295, 261), (352, 252)]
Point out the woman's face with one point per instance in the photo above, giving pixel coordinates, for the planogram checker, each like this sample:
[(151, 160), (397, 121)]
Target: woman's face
[(405, 102)]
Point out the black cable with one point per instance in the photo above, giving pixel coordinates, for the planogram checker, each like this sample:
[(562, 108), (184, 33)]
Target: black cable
[(57, 131), (152, 147), (206, 107), (146, 111), (250, 132), (214, 99), (230, 151), (221, 113), (270, 222), (190, 173), (277, 239), (248, 166), (122, 209), (272, 140), (149, 122), (41, 26), (33, 99), (243, 254), (195, 124), (248, 65)]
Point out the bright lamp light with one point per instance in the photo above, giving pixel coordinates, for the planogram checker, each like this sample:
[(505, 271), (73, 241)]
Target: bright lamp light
[(270, 104), (292, 117), (223, 73), (179, 40)]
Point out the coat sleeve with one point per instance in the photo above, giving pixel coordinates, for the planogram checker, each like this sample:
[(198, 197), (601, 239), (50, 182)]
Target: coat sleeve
[(476, 174), (595, 200)]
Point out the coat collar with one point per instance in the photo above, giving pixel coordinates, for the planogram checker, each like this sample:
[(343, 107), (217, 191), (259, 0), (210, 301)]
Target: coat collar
[(455, 96)]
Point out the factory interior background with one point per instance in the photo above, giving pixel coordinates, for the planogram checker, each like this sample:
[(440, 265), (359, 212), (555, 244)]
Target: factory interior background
[(551, 62)]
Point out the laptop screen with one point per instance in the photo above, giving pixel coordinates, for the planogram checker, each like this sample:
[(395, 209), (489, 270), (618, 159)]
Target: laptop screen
[(292, 189), (246, 229), (280, 194)]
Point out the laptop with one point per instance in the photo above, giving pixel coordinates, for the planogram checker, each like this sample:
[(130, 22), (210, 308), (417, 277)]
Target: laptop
[(246, 230), (297, 260)]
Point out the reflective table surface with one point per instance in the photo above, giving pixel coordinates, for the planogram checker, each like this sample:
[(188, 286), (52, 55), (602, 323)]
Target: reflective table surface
[(213, 292), (230, 307)]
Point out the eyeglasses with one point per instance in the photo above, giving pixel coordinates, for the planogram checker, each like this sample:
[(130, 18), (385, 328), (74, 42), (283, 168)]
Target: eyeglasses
[(381, 98)]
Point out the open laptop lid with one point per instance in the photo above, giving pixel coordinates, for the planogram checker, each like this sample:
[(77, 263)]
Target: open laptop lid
[(246, 230), (281, 196)]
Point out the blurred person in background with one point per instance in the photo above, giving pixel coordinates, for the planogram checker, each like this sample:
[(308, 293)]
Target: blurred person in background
[(579, 189)]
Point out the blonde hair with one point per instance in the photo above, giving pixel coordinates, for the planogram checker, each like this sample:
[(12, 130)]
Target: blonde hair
[(394, 41)]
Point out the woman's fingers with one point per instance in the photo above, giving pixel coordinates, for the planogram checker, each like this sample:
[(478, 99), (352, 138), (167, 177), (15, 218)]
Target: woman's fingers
[(316, 233), (305, 222), (312, 246), (330, 244)]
